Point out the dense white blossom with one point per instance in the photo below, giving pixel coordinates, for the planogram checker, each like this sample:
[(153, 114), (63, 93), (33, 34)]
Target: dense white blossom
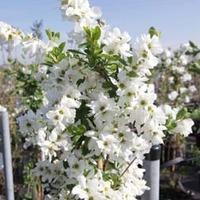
[(176, 81), (93, 128), (184, 127), (117, 42), (16, 46)]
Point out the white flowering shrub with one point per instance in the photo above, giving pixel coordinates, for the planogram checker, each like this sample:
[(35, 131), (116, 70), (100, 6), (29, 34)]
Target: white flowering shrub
[(97, 117), (177, 69), (176, 87)]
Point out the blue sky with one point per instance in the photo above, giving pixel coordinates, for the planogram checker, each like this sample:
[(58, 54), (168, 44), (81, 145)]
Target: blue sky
[(178, 20)]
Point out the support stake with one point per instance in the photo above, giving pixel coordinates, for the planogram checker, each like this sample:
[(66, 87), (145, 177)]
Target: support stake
[(152, 174), (7, 159)]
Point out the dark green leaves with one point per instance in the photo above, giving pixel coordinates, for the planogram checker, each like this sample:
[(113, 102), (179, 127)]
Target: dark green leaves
[(82, 114), (195, 67), (76, 52), (183, 114), (77, 134), (195, 114), (76, 130), (153, 31), (193, 45), (29, 90)]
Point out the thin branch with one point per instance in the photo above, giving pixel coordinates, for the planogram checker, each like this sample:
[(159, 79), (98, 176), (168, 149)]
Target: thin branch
[(127, 167)]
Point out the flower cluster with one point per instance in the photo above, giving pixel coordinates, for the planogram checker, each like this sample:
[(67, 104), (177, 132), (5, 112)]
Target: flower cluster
[(176, 77), (178, 121), (15, 46), (175, 87), (98, 116), (89, 138)]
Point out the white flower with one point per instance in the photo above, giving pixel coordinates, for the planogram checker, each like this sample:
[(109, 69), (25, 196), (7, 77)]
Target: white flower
[(92, 188), (107, 143), (173, 95), (187, 99), (169, 111), (117, 42), (146, 48), (179, 70), (30, 52), (29, 122), (186, 77), (171, 79), (184, 59), (102, 104), (184, 127), (148, 43), (8, 32), (45, 170), (167, 53), (183, 90), (16, 46), (64, 113), (153, 132), (76, 166), (78, 10), (192, 88)]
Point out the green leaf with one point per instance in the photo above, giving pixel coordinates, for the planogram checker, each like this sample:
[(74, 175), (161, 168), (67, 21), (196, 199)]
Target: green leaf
[(80, 81), (76, 52), (53, 36), (170, 123), (195, 67), (183, 114), (115, 179), (96, 33), (61, 46), (56, 55), (195, 114), (132, 74), (153, 31), (78, 130), (193, 45), (87, 31), (77, 134), (82, 114), (29, 89)]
